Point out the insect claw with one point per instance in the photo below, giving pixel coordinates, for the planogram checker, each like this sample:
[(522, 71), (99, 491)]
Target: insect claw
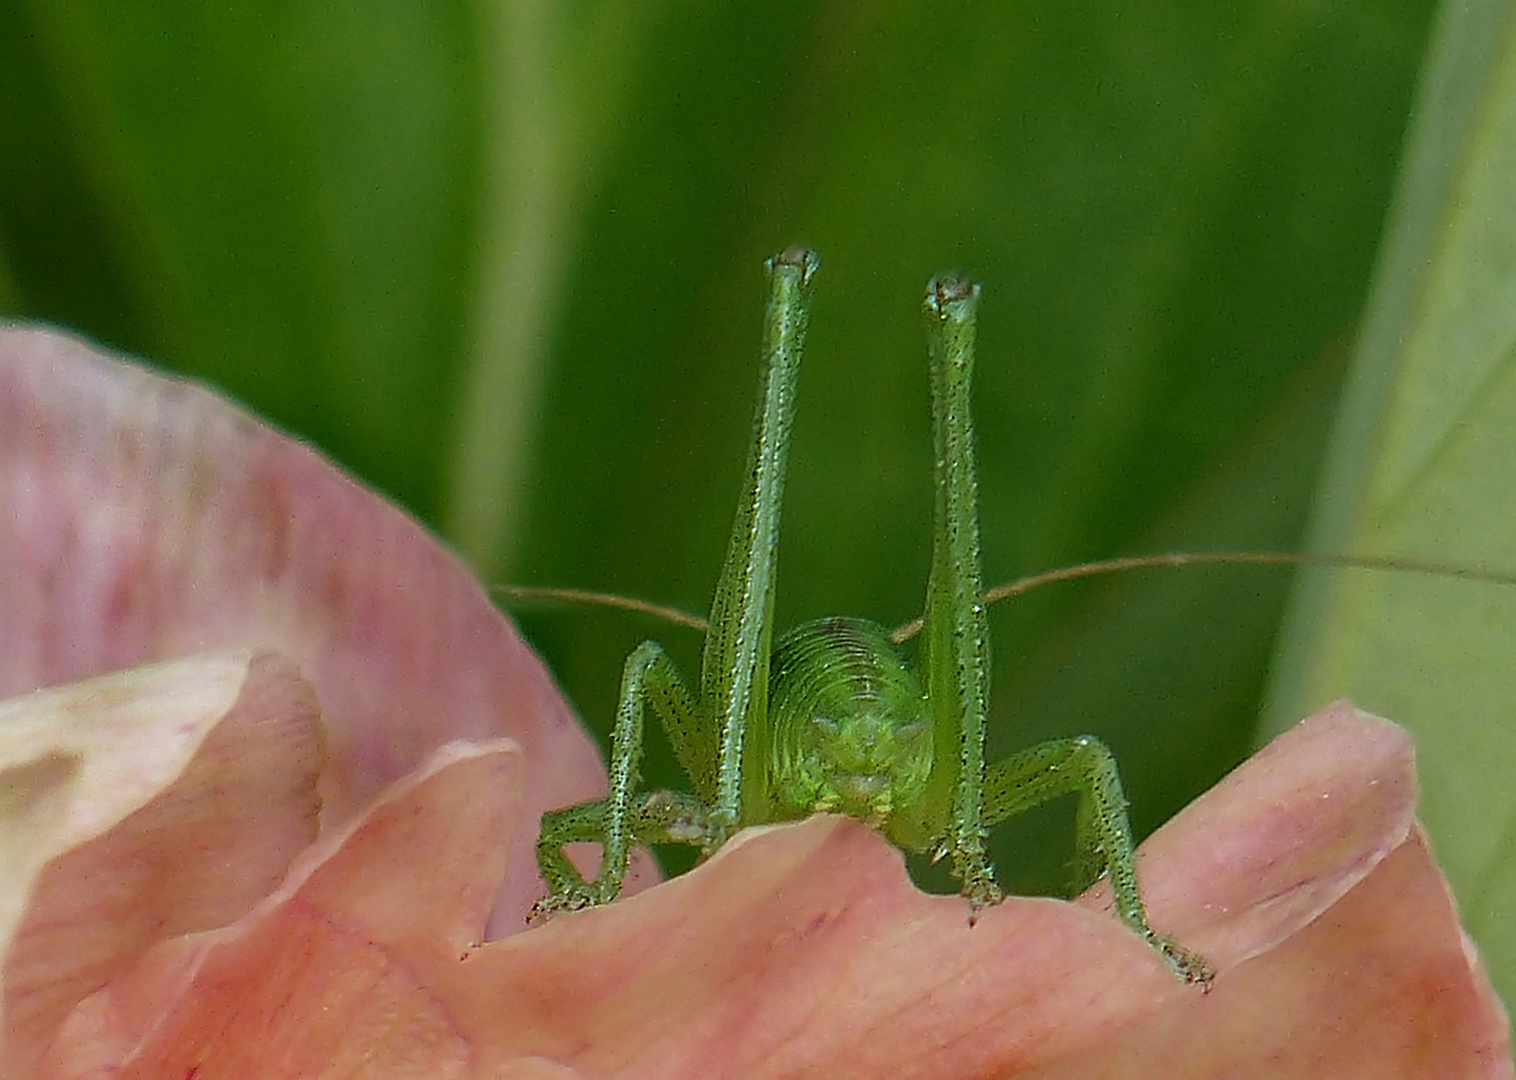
[(981, 892), (1191, 967), (541, 912), (572, 898)]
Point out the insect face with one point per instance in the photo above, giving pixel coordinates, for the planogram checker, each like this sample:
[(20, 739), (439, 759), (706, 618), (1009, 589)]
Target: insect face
[(850, 723)]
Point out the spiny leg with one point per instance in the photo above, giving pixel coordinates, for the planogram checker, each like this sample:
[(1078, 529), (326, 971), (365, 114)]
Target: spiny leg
[(657, 817), (957, 633), (1084, 766), (624, 819), (734, 665), (708, 735)]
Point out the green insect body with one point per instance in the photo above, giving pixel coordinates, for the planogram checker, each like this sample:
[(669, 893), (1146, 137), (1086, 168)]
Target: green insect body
[(831, 718)]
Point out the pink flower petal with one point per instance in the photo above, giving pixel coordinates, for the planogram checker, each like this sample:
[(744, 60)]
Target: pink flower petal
[(1382, 985), (1275, 844), (335, 971), (149, 519), (189, 789), (1305, 879), (804, 951)]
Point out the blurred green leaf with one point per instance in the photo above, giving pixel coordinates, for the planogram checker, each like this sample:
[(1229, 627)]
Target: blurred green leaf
[(1423, 466), (278, 200), (555, 102)]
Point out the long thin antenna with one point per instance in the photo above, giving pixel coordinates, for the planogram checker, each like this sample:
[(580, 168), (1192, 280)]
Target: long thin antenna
[(1103, 567), (530, 593), (1099, 568)]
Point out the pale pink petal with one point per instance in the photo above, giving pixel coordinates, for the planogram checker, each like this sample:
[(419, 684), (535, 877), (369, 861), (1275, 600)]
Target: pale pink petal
[(335, 971), (1382, 986), (1304, 878), (804, 951), (1276, 843), (532, 1069), (190, 788), (147, 518)]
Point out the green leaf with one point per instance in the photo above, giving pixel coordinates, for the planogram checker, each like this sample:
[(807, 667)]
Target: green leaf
[(275, 199), (1423, 466)]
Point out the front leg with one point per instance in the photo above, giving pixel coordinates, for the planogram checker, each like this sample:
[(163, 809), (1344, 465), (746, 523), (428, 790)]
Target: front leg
[(1084, 766), (659, 817), (623, 819)]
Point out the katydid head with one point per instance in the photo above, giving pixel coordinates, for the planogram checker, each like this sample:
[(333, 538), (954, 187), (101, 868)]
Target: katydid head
[(850, 730)]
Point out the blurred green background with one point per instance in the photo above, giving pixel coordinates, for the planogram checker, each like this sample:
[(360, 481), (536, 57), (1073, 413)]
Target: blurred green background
[(504, 262)]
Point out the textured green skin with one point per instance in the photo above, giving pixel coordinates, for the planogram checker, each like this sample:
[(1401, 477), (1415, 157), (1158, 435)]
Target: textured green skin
[(851, 730), (832, 719)]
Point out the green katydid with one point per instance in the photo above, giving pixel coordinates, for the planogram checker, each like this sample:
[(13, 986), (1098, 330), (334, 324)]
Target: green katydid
[(830, 717)]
